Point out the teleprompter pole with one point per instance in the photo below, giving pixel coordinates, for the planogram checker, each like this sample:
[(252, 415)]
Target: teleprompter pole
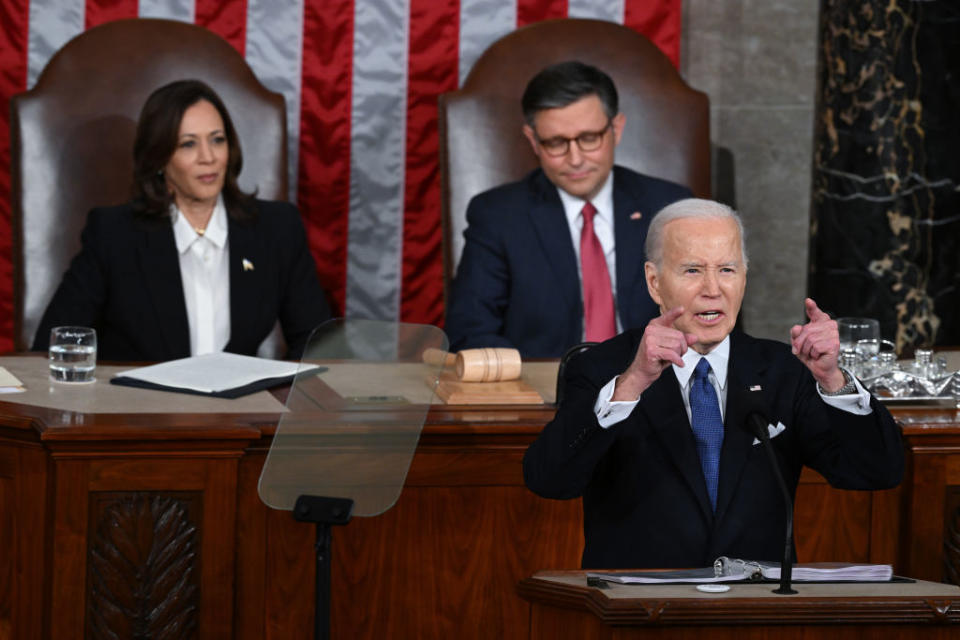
[(324, 512)]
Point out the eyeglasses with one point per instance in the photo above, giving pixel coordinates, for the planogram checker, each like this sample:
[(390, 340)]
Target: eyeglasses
[(586, 141)]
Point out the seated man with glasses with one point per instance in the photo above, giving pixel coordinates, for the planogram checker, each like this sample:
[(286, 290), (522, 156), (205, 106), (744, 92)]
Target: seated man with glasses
[(541, 270)]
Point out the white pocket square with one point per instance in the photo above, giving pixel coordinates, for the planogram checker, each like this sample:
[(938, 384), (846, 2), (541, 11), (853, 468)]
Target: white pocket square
[(774, 431)]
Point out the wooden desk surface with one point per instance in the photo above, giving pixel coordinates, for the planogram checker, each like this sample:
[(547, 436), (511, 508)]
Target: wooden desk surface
[(576, 580), (564, 607), (101, 410), (81, 411), (443, 562)]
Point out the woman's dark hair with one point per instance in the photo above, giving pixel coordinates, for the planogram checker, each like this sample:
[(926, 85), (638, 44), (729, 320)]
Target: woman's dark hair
[(564, 83), (158, 130)]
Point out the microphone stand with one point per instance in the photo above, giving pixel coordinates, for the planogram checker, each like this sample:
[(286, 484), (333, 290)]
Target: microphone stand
[(759, 427)]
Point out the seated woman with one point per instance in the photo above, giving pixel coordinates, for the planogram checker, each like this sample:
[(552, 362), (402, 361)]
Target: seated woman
[(193, 264)]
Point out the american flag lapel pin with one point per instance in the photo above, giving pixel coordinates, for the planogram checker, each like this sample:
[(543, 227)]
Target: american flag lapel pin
[(247, 265), (755, 387), (636, 215)]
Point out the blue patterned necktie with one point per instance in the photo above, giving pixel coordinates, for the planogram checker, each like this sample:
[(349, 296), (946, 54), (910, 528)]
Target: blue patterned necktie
[(707, 426)]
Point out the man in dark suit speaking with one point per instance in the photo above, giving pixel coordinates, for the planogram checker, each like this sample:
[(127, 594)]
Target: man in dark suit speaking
[(649, 432), (541, 268)]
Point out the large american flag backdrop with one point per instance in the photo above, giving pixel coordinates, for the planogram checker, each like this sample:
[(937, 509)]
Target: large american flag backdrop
[(361, 80)]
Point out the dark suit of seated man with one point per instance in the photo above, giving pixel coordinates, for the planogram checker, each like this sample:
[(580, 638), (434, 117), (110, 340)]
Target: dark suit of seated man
[(520, 282), (649, 432)]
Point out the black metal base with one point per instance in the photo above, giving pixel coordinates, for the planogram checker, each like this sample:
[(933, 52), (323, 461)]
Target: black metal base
[(325, 512), (785, 591)]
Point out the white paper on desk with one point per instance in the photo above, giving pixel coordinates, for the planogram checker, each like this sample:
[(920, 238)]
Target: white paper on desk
[(9, 383), (834, 571), (214, 372), (735, 570), (699, 576)]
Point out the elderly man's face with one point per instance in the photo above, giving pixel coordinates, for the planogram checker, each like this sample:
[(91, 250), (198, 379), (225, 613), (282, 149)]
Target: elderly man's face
[(702, 270), (579, 173)]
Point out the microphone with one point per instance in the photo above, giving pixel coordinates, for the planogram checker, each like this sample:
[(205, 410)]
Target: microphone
[(756, 424)]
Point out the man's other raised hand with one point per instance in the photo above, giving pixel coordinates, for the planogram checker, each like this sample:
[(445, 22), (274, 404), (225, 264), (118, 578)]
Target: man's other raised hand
[(660, 346)]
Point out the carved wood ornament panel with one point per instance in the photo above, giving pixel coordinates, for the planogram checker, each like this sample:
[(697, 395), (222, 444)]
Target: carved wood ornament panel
[(143, 565)]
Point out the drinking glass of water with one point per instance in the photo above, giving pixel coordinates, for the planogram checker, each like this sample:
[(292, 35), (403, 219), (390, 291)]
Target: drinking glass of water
[(859, 337), (854, 330), (73, 354)]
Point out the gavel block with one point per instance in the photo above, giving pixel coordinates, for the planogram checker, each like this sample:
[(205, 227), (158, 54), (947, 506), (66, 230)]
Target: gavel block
[(483, 376)]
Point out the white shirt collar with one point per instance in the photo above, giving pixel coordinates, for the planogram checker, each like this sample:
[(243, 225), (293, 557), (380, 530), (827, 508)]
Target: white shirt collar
[(184, 234), (718, 358), (602, 202)]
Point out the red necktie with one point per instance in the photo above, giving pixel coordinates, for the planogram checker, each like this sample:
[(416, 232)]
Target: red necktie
[(598, 310)]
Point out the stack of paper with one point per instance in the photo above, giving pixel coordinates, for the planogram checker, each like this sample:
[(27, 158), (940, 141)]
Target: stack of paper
[(698, 576), (833, 572), (224, 375), (734, 570)]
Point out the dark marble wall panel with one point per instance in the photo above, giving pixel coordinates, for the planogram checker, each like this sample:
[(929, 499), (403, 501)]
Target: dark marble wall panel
[(885, 212)]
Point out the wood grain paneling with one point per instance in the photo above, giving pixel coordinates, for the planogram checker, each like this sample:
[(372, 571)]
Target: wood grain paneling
[(8, 555), (289, 584), (24, 565), (885, 527), (218, 549), (444, 561), (70, 548), (951, 535), (443, 556), (832, 524), (564, 607), (923, 547), (250, 552)]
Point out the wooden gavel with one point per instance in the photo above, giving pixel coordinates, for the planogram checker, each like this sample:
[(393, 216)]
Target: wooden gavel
[(489, 364)]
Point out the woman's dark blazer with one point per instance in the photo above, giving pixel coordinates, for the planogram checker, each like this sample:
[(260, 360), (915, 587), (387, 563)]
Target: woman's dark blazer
[(126, 283)]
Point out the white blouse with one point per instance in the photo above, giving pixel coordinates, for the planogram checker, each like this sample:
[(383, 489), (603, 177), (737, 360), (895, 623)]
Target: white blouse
[(205, 273)]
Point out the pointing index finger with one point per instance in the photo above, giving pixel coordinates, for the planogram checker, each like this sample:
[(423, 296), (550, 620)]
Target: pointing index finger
[(669, 317)]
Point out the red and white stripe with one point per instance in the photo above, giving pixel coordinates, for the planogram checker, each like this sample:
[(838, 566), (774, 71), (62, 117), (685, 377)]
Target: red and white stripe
[(361, 79)]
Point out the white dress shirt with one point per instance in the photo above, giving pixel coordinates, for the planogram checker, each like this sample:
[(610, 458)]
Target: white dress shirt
[(610, 413), (205, 273), (602, 228)]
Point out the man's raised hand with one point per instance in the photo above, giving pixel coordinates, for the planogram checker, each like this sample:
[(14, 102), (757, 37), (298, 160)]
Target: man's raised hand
[(817, 345), (660, 346)]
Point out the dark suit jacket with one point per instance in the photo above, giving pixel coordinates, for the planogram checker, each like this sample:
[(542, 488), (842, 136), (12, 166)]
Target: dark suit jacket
[(126, 283), (644, 496), (517, 283)]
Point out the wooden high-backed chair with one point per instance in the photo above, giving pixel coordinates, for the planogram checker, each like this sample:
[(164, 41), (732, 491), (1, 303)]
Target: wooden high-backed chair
[(72, 138), (667, 131)]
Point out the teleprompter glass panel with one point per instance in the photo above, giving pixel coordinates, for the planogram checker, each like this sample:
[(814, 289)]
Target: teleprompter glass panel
[(351, 429)]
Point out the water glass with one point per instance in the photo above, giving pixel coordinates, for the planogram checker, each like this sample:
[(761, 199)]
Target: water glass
[(73, 354), (853, 330)]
